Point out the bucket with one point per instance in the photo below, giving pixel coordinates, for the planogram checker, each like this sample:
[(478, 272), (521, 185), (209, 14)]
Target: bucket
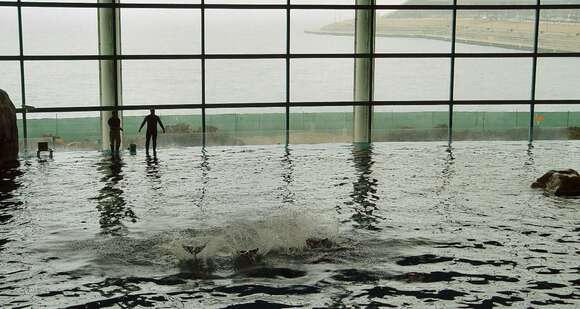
[(133, 149)]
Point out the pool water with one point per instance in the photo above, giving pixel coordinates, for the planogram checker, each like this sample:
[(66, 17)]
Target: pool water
[(411, 224)]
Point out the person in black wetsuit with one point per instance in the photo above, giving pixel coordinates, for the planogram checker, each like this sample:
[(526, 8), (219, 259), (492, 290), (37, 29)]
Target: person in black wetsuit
[(151, 121), (115, 133)]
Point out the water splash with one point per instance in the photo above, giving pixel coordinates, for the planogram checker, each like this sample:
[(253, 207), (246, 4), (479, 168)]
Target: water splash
[(284, 232)]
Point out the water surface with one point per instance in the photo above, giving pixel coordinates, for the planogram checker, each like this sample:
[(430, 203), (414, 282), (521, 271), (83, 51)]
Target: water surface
[(412, 225)]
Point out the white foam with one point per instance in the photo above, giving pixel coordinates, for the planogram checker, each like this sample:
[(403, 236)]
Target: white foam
[(284, 231)]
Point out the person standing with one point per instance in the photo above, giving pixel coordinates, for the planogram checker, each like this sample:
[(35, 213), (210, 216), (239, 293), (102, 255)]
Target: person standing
[(115, 133), (152, 120)]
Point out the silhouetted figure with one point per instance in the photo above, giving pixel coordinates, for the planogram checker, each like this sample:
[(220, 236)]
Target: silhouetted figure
[(151, 121), (115, 133)]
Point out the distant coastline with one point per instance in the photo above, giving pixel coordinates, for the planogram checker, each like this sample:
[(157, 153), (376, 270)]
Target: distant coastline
[(437, 38), (477, 28)]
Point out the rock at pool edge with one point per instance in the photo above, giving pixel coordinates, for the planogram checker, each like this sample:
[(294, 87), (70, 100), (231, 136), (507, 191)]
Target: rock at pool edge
[(560, 183), (8, 130)]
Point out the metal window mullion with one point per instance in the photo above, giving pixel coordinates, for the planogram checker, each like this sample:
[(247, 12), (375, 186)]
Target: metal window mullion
[(287, 128), (116, 56), (534, 74), (284, 56), (452, 74), (371, 70), (408, 7), (22, 77), (203, 124), (300, 104)]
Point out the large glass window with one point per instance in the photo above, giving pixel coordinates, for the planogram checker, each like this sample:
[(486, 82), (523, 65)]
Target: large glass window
[(414, 2), (495, 31), (60, 31), (61, 1), (413, 31), (10, 81), (492, 79), (166, 31), (560, 30), (322, 31), (245, 81), (65, 131), (8, 31), (410, 123), (244, 61), (321, 80), (411, 80), (314, 125), (62, 83), (491, 122), (558, 79), (342, 2), (245, 31), (399, 79), (496, 2), (165, 1), (161, 82), (244, 1), (248, 126)]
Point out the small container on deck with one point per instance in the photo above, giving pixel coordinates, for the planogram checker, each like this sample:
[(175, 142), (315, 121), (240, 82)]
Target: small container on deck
[(133, 149), (43, 147)]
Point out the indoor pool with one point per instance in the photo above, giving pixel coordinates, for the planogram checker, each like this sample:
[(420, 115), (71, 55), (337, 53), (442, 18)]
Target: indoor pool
[(408, 225)]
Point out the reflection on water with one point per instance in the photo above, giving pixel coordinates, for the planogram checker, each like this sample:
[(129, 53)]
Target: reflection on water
[(287, 176), (9, 183), (530, 154), (364, 198), (112, 206), (153, 176), (448, 170), (152, 169), (205, 168), (446, 200)]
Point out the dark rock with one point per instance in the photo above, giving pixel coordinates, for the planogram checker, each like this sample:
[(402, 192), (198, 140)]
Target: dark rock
[(559, 183), (274, 272), (196, 268), (246, 259), (8, 131), (316, 243), (543, 181)]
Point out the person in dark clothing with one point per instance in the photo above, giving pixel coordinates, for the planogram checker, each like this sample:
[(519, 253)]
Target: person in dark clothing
[(151, 121), (115, 133)]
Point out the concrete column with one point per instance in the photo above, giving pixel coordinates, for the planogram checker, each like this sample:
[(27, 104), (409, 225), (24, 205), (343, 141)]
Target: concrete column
[(364, 41), (109, 24)]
